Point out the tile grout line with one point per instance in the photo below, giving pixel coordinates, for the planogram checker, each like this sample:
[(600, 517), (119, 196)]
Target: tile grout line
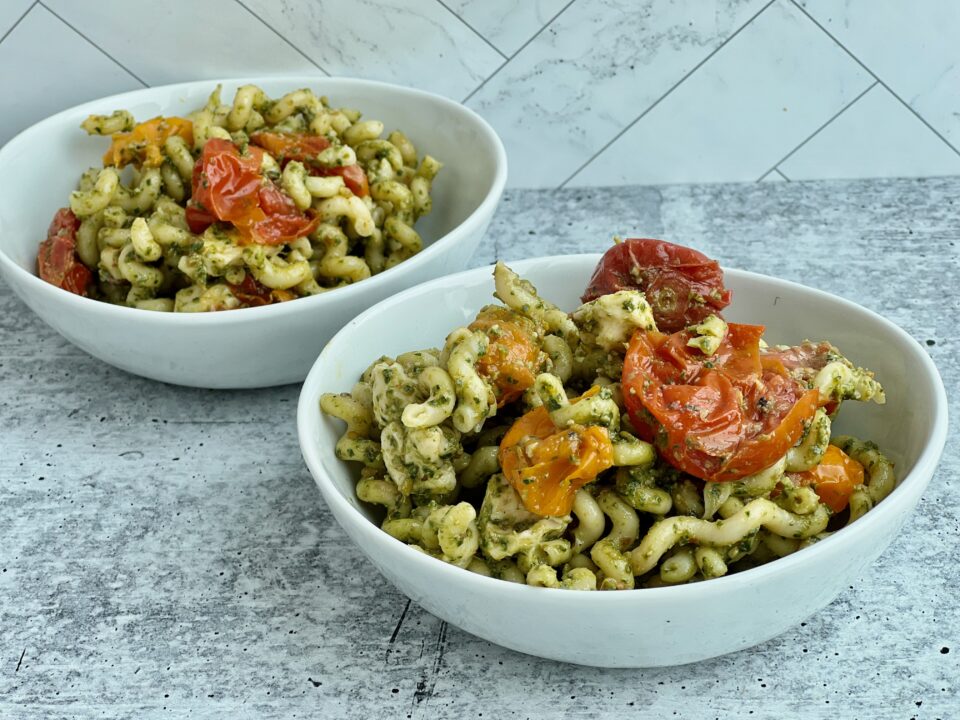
[(665, 95), (19, 19), (506, 62), (104, 52), (473, 29), (875, 76), (816, 132), (284, 38), (766, 174)]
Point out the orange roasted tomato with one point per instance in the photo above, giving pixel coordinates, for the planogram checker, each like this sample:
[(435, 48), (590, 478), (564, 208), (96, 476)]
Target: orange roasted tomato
[(719, 417), (290, 146), (305, 148), (834, 478), (546, 465), (143, 145), (512, 360), (228, 186)]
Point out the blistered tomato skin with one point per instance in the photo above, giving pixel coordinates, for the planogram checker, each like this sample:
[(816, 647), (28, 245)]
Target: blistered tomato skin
[(719, 417), (228, 186), (682, 285), (304, 148), (546, 465), (57, 260), (511, 363), (834, 478)]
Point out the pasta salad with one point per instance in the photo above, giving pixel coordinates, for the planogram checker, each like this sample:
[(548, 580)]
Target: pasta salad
[(641, 440), (238, 205)]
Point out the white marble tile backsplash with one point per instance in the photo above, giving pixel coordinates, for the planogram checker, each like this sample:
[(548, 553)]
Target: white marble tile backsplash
[(411, 42), (45, 66), (912, 47), (228, 41), (506, 24), (583, 92), (591, 73), (761, 95), (10, 12), (876, 136)]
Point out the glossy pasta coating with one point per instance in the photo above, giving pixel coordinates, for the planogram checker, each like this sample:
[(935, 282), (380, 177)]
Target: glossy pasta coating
[(151, 242), (427, 429)]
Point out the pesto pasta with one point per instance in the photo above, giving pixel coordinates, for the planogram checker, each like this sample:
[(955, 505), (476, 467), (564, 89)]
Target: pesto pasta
[(517, 450), (238, 205)]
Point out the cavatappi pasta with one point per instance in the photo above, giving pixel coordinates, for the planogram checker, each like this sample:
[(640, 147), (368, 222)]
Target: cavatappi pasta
[(243, 203), (438, 435)]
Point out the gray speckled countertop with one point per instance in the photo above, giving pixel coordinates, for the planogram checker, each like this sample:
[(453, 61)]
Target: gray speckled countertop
[(165, 553)]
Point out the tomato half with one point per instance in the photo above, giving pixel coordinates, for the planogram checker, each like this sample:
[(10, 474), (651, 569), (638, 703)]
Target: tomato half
[(143, 145), (57, 260), (251, 293), (198, 218), (228, 186), (834, 479), (291, 146), (683, 286), (283, 221), (353, 177), (546, 465), (802, 362), (719, 417), (511, 362), (305, 148)]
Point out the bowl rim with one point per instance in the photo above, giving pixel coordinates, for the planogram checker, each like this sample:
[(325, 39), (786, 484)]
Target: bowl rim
[(119, 312), (309, 414)]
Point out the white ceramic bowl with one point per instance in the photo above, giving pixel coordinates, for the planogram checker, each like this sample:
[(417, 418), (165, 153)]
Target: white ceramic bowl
[(252, 347), (650, 627)]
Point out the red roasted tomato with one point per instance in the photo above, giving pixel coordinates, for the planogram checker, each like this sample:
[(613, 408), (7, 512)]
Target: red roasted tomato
[(57, 260), (229, 187), (683, 286), (305, 148)]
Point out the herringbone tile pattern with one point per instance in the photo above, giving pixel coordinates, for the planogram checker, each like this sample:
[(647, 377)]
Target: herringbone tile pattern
[(583, 92)]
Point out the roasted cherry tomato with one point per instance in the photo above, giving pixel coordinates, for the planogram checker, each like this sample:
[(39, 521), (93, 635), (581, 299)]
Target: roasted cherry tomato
[(291, 146), (683, 286), (57, 260), (802, 362), (511, 362), (834, 478), (143, 145), (546, 465), (229, 187), (283, 221), (305, 148), (198, 218), (251, 293), (225, 183), (353, 177), (719, 417)]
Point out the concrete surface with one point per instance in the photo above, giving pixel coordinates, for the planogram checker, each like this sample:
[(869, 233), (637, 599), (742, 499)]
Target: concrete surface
[(164, 552)]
